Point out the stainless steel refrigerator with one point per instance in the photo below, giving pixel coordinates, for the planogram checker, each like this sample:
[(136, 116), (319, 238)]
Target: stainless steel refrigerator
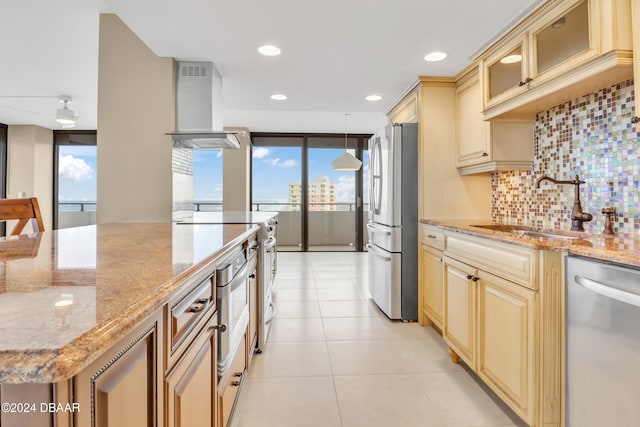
[(393, 220)]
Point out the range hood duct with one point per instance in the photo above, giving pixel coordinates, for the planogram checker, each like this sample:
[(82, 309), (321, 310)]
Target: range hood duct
[(199, 108)]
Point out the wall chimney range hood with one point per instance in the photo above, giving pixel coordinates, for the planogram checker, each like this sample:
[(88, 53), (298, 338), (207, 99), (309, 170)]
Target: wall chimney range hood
[(199, 108)]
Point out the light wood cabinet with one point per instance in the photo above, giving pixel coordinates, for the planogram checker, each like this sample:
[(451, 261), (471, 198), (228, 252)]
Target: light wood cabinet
[(460, 310), (406, 110), (229, 385), (635, 13), (432, 284), (484, 146), (191, 386), (506, 337), (563, 50), (502, 317), (431, 276), (123, 387)]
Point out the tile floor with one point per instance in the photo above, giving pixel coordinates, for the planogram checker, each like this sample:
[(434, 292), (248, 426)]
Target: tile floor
[(334, 359)]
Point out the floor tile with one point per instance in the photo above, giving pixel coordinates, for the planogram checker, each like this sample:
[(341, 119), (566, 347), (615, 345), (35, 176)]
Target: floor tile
[(330, 274), (300, 283), (303, 294), (421, 356), (298, 275), (364, 357), (292, 359), (296, 330), (384, 400), (339, 294), (462, 402), (290, 402), (345, 309), (332, 283), (297, 309), (354, 328)]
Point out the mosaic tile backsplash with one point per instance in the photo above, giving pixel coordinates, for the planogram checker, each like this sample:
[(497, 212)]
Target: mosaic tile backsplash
[(593, 137)]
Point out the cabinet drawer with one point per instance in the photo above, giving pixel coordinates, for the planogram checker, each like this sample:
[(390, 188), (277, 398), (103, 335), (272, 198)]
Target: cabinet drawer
[(230, 384), (510, 262), (187, 311), (432, 236)]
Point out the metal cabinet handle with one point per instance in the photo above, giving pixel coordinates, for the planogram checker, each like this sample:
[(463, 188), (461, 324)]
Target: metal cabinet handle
[(475, 279), (252, 276), (197, 308), (431, 236), (222, 327), (469, 277), (238, 374), (635, 119), (527, 80), (235, 383)]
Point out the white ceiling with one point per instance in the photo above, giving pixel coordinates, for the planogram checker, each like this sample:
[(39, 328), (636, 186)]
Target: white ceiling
[(334, 52)]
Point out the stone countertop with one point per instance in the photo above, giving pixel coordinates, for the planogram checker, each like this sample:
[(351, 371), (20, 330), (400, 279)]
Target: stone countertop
[(620, 248), (77, 291)]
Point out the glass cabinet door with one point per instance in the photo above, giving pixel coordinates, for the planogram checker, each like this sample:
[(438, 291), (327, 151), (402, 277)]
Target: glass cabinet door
[(563, 38), (505, 72)]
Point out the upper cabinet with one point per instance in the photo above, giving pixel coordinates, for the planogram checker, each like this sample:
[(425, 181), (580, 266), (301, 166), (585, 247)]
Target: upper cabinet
[(563, 50), (486, 146)]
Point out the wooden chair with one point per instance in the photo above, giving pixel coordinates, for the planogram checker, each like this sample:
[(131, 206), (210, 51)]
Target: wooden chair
[(23, 210)]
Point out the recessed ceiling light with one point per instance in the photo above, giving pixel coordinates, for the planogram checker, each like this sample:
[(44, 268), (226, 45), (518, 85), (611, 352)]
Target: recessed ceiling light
[(373, 98), (511, 59), (435, 56), (269, 50), (278, 97)]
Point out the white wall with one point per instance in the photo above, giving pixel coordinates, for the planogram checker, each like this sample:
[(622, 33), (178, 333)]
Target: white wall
[(136, 107), (30, 167)]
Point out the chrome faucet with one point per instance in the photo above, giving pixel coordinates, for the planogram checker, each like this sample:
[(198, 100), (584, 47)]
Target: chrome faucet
[(577, 216)]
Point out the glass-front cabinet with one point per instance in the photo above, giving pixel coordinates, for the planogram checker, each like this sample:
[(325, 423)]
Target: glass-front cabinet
[(562, 44)]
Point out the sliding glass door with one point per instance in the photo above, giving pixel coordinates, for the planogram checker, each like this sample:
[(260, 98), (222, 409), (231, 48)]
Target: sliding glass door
[(322, 209)]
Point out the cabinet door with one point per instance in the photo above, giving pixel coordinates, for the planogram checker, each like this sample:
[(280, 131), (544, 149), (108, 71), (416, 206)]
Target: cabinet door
[(460, 309), (506, 338), (432, 283), (191, 385), (252, 337), (563, 40), (472, 132), (122, 388), (505, 72), (635, 12)]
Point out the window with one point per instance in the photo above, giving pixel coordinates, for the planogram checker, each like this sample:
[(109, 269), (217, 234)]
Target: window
[(75, 174), (207, 180)]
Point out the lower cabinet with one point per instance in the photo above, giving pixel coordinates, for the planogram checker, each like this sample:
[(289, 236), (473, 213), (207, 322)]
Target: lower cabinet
[(506, 337), (460, 310), (230, 383), (123, 388), (507, 327), (432, 295), (191, 385)]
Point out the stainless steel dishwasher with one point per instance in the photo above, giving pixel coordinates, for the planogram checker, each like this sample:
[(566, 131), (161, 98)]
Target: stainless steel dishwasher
[(603, 344)]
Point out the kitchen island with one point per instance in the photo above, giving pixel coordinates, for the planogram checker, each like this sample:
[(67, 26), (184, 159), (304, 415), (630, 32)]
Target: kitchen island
[(83, 291)]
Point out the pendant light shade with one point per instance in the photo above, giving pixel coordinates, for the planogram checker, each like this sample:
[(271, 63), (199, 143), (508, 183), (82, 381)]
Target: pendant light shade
[(346, 161)]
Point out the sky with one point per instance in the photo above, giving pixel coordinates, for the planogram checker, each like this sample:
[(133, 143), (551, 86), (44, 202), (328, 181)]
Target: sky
[(273, 169)]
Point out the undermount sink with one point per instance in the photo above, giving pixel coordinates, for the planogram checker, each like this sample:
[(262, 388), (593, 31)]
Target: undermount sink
[(525, 231), (530, 233)]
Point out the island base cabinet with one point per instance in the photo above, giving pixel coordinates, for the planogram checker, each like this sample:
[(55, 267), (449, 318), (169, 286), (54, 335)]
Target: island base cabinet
[(230, 384), (505, 341), (122, 387), (191, 387)]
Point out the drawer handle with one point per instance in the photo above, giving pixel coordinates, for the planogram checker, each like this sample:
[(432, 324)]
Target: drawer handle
[(431, 236), (475, 279), (252, 276), (469, 277), (202, 303), (238, 374), (235, 383), (222, 327)]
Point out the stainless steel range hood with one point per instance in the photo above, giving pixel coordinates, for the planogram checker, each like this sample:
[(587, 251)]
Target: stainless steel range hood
[(199, 108)]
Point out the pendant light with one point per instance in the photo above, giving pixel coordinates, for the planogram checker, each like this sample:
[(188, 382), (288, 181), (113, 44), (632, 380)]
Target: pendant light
[(346, 161)]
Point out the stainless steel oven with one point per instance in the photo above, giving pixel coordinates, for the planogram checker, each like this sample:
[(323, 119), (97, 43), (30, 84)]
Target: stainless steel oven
[(232, 301)]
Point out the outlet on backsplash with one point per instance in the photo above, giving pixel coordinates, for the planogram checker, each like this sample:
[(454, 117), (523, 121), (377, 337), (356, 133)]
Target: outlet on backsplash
[(593, 137)]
